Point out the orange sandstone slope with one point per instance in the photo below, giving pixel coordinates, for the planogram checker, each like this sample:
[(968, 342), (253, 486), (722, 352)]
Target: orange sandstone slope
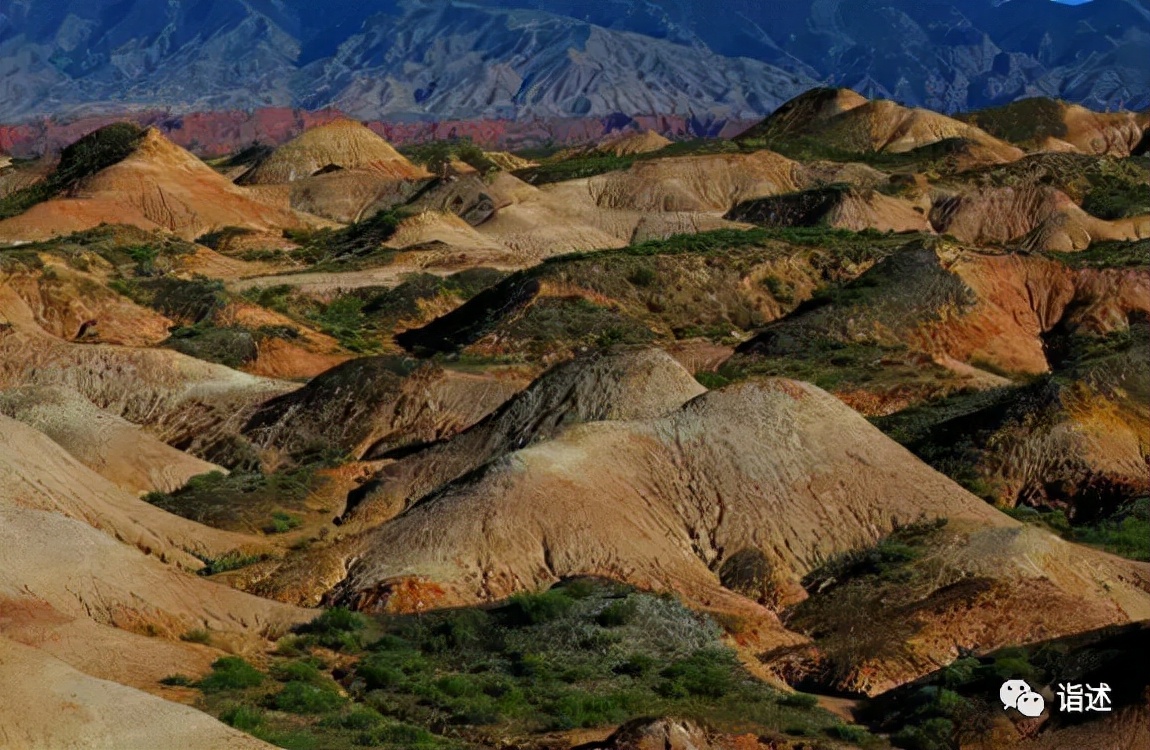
[(64, 706), (950, 304), (158, 185), (109, 445)]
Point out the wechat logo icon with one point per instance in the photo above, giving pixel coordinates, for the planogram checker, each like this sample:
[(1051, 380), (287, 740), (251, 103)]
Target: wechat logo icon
[(1017, 694)]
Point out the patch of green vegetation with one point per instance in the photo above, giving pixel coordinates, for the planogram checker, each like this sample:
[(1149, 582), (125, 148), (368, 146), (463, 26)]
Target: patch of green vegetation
[(233, 560), (364, 318), (712, 381), (241, 500), (958, 706), (556, 322), (538, 608), (861, 602), (230, 673), (574, 168), (231, 346), (197, 635), (338, 629), (1108, 254), (565, 165), (436, 156), (851, 336), (587, 653), (283, 522), (133, 251), (681, 287), (347, 248), (1024, 121), (190, 301), (934, 157), (92, 153), (887, 560), (1119, 189), (1125, 533)]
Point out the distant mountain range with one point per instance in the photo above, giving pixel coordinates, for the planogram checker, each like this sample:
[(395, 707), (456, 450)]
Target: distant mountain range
[(440, 59)]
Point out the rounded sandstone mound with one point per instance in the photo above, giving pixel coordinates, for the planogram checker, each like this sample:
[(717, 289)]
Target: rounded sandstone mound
[(620, 385), (630, 143), (776, 466), (343, 144)]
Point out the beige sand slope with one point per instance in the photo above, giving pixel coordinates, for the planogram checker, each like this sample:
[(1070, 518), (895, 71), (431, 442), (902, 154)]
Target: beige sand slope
[(779, 466), (72, 304), (65, 709), (712, 182), (37, 473), (109, 445), (629, 143), (848, 121)]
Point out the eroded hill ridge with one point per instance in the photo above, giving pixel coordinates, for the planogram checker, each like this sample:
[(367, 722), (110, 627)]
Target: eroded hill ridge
[(859, 390)]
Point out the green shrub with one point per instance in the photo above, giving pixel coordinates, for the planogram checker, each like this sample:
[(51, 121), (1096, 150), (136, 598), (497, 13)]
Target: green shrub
[(243, 718), (617, 613), (299, 671), (635, 665), (305, 698), (579, 709), (934, 734), (198, 635), (233, 560), (711, 380), (360, 718), (643, 276), (283, 522), (377, 676), (583, 588), (536, 608), (799, 700), (706, 674), (231, 673), (401, 735), (336, 620), (460, 629), (178, 680), (457, 686), (848, 733)]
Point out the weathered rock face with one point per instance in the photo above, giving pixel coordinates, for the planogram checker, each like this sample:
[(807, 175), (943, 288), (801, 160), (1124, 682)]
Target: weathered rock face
[(533, 58)]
